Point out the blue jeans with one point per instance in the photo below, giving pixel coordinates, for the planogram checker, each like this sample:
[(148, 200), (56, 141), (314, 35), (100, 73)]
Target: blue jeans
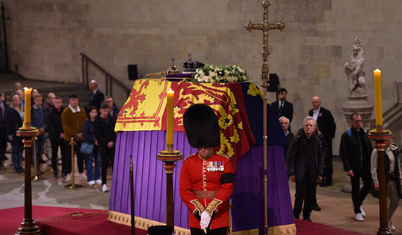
[(90, 163), (39, 151), (16, 156)]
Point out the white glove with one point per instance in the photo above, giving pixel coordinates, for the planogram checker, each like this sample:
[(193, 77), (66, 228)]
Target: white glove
[(205, 219)]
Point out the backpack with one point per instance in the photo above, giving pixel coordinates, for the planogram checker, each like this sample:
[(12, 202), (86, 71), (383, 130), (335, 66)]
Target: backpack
[(350, 132)]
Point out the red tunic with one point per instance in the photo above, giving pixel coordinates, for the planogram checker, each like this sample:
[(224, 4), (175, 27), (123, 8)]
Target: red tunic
[(204, 178)]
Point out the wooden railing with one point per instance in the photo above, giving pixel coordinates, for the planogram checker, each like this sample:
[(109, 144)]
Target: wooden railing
[(109, 79)]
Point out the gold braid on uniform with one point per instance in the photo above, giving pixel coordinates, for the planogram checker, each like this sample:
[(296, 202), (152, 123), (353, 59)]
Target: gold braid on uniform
[(198, 206), (212, 207)]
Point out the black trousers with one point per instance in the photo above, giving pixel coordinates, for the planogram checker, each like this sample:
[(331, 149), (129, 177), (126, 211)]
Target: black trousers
[(55, 147), (218, 231), (357, 195), (305, 191), (107, 156), (66, 159), (328, 168)]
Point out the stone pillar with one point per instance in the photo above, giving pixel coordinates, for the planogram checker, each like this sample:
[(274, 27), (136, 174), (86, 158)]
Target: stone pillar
[(358, 102)]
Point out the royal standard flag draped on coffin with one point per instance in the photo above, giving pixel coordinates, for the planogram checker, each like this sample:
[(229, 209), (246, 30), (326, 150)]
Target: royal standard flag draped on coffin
[(144, 110)]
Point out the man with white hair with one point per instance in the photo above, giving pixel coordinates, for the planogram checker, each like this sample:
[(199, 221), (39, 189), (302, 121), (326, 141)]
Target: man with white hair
[(304, 166), (285, 127)]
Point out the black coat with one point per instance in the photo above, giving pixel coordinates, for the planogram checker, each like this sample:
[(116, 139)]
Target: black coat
[(115, 112), (296, 155), (289, 138), (54, 125), (286, 111), (326, 123), (13, 122), (349, 151), (104, 133), (324, 147), (97, 99)]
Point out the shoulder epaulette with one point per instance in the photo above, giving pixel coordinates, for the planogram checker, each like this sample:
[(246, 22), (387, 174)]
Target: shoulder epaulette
[(192, 155), (222, 155)]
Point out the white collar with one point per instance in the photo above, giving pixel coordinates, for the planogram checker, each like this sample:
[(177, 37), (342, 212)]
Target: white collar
[(317, 110), (75, 110)]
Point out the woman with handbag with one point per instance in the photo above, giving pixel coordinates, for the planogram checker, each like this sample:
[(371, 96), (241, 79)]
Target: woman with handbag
[(89, 149), (393, 177)]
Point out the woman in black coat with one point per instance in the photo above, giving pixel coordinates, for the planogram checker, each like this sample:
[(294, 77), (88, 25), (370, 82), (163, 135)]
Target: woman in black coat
[(13, 121)]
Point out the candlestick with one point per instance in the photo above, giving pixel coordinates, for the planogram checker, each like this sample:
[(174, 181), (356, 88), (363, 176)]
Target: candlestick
[(170, 117), (27, 108), (378, 97)]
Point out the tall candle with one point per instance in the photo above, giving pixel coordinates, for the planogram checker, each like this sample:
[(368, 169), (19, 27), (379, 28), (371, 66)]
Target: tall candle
[(378, 97), (170, 117), (27, 115)]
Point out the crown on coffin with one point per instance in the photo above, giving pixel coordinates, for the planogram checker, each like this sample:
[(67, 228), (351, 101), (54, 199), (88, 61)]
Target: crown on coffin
[(190, 66)]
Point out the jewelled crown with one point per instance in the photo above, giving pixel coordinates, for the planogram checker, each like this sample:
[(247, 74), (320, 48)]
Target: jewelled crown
[(190, 66)]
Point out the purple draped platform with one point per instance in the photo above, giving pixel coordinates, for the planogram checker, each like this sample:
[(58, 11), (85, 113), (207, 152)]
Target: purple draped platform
[(150, 182)]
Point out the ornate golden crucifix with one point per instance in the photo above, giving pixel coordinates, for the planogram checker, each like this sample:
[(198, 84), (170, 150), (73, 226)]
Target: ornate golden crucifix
[(265, 26)]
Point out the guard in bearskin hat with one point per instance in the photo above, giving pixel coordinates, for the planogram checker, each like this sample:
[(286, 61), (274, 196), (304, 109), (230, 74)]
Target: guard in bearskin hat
[(206, 178)]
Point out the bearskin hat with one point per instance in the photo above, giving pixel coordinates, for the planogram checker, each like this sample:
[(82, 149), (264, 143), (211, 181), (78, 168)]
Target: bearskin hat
[(201, 126)]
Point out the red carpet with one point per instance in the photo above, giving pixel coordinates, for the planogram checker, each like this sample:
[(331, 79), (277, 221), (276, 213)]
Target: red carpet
[(60, 221)]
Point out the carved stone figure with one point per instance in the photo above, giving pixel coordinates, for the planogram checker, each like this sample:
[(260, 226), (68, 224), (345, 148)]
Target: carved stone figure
[(354, 69)]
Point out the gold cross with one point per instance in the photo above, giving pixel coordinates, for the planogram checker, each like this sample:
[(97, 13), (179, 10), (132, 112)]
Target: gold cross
[(265, 26)]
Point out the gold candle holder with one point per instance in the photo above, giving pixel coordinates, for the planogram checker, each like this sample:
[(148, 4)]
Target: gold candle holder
[(169, 157), (28, 225), (380, 136)]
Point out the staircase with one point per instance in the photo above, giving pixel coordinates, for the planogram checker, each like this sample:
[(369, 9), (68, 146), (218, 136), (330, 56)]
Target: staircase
[(392, 117), (63, 90)]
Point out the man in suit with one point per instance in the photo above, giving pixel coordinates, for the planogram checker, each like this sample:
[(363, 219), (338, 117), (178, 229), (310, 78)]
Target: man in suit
[(282, 107), (285, 127), (327, 126), (96, 96)]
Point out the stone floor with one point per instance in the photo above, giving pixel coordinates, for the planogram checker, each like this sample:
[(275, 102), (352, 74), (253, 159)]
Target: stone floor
[(336, 206)]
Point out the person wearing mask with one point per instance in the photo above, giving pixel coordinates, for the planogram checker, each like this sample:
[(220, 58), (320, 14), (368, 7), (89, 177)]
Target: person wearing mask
[(13, 119), (94, 158), (106, 139)]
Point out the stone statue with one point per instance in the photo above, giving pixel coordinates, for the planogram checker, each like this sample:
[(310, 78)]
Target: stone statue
[(354, 69)]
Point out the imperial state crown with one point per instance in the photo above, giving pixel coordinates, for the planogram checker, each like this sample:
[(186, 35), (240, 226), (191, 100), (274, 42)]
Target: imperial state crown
[(190, 66)]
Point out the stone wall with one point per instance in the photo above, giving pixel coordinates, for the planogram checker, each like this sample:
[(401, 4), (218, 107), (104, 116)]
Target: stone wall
[(46, 37)]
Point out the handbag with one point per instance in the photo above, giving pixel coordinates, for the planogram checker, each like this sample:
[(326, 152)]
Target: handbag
[(87, 148)]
